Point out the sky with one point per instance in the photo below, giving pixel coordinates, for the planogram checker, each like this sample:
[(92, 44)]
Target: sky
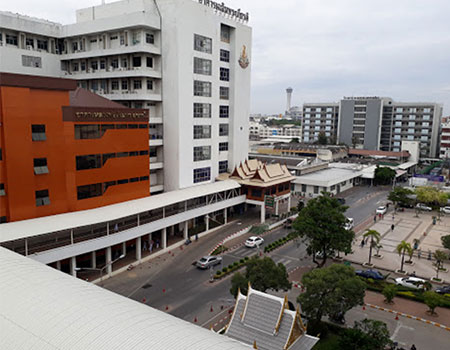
[(327, 49)]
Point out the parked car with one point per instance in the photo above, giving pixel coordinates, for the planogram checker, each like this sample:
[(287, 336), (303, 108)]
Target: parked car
[(254, 241), (349, 224), (443, 290), (411, 282), (373, 274), (382, 210), (319, 255), (423, 207), (405, 205), (208, 261), (445, 210), (341, 200), (288, 223)]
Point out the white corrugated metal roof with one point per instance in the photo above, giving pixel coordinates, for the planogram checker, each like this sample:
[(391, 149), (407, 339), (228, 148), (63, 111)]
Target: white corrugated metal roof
[(33, 227), (407, 165), (42, 308)]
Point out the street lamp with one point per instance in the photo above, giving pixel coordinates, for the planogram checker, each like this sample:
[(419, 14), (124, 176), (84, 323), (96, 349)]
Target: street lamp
[(101, 269)]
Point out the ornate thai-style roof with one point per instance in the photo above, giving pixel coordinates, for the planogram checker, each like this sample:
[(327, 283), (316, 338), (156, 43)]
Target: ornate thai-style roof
[(265, 320), (256, 173)]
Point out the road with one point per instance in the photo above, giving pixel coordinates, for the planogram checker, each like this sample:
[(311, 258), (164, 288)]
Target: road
[(172, 284)]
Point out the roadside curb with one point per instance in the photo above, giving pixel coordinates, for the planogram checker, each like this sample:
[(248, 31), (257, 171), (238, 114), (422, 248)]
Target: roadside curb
[(232, 236), (408, 316)]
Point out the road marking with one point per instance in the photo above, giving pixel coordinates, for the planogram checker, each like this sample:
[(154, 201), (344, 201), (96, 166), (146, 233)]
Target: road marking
[(212, 318)]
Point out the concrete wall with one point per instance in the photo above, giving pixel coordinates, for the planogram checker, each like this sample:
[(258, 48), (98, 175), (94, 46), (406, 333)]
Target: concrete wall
[(373, 125), (345, 125)]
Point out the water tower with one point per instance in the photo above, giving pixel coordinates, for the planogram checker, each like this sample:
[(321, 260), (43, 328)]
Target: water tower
[(289, 96)]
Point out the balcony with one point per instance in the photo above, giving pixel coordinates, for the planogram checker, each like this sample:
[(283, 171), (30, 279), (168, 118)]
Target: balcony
[(125, 95), (114, 73), (156, 140)]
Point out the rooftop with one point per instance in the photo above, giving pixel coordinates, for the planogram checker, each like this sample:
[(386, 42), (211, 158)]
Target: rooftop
[(328, 177)]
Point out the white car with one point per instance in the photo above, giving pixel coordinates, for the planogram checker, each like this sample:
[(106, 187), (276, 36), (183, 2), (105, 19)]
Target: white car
[(411, 282), (254, 241), (424, 207), (349, 224), (382, 210), (445, 210)]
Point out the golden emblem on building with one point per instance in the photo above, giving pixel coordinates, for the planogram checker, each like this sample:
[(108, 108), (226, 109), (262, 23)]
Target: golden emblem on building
[(243, 60)]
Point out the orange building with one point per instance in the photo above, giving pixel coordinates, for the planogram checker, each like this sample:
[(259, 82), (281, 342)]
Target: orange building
[(65, 149)]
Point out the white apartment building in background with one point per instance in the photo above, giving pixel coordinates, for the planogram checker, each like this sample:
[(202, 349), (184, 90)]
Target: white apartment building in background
[(445, 140), (187, 61)]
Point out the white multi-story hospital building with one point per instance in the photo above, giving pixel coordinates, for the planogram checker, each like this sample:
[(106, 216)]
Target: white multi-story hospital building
[(186, 61)]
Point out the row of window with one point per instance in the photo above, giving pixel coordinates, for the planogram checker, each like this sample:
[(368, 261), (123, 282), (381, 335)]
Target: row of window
[(204, 44), (318, 109), (95, 161), (204, 152), (204, 131), (318, 115), (203, 110), (96, 131), (204, 88), (204, 66), (98, 189)]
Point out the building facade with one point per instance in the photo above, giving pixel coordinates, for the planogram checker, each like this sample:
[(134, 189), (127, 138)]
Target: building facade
[(64, 149), (184, 61), (320, 118), (445, 141)]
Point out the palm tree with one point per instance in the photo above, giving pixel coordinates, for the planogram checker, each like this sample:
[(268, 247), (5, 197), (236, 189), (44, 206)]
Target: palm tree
[(402, 249), (440, 257), (374, 240)]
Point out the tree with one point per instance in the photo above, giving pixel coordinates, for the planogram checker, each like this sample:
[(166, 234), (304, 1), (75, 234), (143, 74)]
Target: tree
[(331, 291), (295, 140), (321, 223), (431, 196), (446, 241), (322, 139), (389, 292), (440, 257), (262, 275), (384, 175), (366, 335), (402, 249), (374, 237), (300, 206), (400, 195), (432, 300)]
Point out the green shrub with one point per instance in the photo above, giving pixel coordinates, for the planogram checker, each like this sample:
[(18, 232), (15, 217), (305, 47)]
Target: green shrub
[(225, 270), (246, 258), (241, 261)]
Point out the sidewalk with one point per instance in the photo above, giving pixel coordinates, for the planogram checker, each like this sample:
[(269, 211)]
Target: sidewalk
[(407, 227), (410, 307)]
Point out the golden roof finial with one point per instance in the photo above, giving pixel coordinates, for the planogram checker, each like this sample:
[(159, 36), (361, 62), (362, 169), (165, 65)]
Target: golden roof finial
[(254, 345)]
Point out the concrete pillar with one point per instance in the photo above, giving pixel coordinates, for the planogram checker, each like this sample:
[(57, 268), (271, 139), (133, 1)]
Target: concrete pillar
[(164, 238), (58, 265), (138, 248), (108, 261), (289, 202), (93, 260), (263, 213), (172, 230), (225, 213), (150, 237), (186, 229), (276, 207), (207, 222), (26, 246), (124, 248), (73, 265)]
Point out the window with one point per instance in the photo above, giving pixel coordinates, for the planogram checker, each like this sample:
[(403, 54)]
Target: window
[(149, 38), (316, 189), (102, 64), (318, 115), (398, 123), (115, 63), (75, 66), (75, 46), (307, 121), (113, 37), (426, 117), (31, 61), (223, 166), (202, 131), (225, 33), (94, 65), (412, 117), (223, 146), (224, 93), (398, 130), (425, 124), (256, 192), (89, 191), (38, 132), (136, 61), (399, 110), (90, 161), (224, 55), (423, 138), (124, 63), (40, 166), (202, 153), (224, 111), (29, 42), (42, 198), (11, 39), (303, 188), (202, 110), (137, 84), (223, 129), (124, 84), (424, 131), (149, 62), (202, 43), (2, 190), (202, 88), (224, 74), (149, 84), (202, 174), (202, 66), (114, 85), (411, 123)]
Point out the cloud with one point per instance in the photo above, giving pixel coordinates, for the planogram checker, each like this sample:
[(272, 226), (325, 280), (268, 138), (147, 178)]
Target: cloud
[(326, 49)]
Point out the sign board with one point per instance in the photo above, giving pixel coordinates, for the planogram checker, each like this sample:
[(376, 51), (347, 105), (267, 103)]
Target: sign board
[(269, 201)]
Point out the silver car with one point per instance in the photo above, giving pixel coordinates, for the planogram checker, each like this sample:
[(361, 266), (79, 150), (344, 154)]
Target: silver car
[(208, 261)]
